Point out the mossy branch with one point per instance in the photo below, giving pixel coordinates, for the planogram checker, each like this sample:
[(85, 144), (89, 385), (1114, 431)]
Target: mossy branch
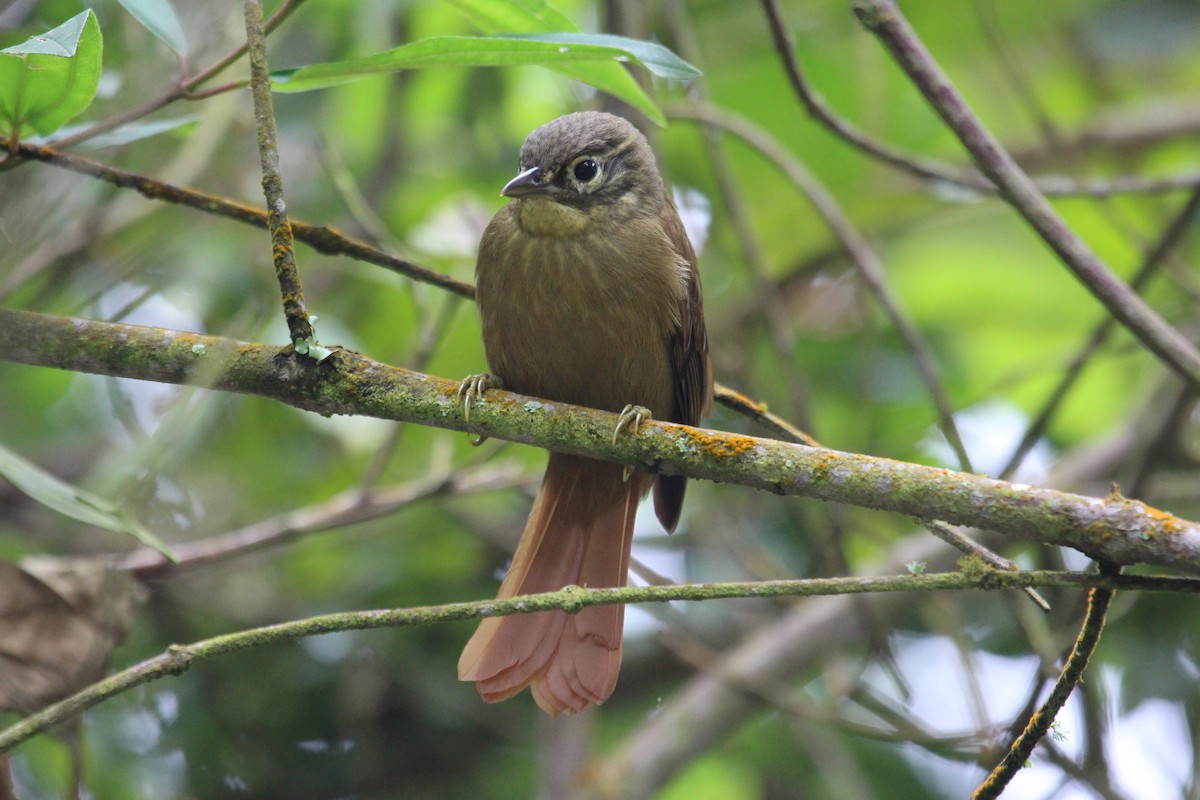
[(179, 658), (1099, 601), (283, 251), (1114, 529)]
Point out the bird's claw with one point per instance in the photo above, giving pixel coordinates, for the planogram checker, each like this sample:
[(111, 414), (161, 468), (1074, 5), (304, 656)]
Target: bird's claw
[(471, 390), (631, 420)]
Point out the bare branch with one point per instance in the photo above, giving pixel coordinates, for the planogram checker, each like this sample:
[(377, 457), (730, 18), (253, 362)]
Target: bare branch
[(935, 171), (885, 20), (321, 238), (346, 508)]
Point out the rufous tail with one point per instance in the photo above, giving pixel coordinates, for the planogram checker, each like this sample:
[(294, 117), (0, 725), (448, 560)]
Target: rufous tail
[(579, 532)]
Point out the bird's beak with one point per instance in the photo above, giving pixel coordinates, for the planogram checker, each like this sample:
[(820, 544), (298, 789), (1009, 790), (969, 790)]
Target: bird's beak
[(526, 183)]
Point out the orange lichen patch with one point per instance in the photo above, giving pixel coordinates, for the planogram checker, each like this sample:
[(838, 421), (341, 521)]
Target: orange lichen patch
[(827, 462), (1164, 519), (725, 446), (1099, 532), (745, 401)]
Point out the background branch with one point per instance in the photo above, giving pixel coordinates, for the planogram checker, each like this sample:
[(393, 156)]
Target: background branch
[(321, 238), (1099, 601), (884, 19), (938, 172), (572, 599)]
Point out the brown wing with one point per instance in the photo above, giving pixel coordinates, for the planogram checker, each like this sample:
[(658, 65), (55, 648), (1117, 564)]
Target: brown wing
[(691, 363)]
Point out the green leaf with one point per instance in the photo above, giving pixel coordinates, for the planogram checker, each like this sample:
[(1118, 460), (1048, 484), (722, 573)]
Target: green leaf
[(585, 57), (51, 78), (159, 18), (72, 501), (441, 51), (654, 57), (508, 17)]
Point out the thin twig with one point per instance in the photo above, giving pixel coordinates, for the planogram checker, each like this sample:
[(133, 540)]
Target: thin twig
[(935, 171), (347, 508), (965, 544), (1096, 777), (843, 128), (780, 696), (283, 250), (1099, 600), (885, 20), (1166, 435), (185, 89), (1136, 127), (777, 425), (1012, 70), (179, 658)]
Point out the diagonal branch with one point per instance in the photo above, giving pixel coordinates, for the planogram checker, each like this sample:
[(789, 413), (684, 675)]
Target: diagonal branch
[(1114, 529), (819, 110), (1072, 673), (885, 20), (857, 249), (936, 171), (321, 238), (349, 507), (185, 89)]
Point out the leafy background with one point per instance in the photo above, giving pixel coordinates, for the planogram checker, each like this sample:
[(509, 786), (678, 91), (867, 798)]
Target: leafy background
[(910, 705)]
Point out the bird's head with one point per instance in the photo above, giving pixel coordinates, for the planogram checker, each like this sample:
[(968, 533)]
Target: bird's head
[(598, 165)]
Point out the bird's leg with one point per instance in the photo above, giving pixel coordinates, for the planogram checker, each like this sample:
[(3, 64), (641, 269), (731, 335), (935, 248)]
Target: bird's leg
[(630, 420), (471, 390)]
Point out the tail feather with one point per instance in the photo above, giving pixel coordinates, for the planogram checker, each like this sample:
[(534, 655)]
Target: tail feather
[(579, 532)]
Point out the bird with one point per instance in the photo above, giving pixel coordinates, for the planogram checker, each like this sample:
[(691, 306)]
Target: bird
[(588, 293)]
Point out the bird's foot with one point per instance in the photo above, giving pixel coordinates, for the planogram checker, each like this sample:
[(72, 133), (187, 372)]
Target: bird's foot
[(471, 391), (631, 420)]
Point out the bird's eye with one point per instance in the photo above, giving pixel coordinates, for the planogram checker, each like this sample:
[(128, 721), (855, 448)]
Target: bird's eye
[(585, 170)]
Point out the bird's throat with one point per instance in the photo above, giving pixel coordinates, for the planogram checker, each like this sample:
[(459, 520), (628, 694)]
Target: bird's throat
[(541, 216)]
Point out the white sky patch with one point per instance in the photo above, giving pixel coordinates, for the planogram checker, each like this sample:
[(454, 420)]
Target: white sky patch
[(991, 431), (1148, 754), (452, 229), (696, 212), (667, 562)]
